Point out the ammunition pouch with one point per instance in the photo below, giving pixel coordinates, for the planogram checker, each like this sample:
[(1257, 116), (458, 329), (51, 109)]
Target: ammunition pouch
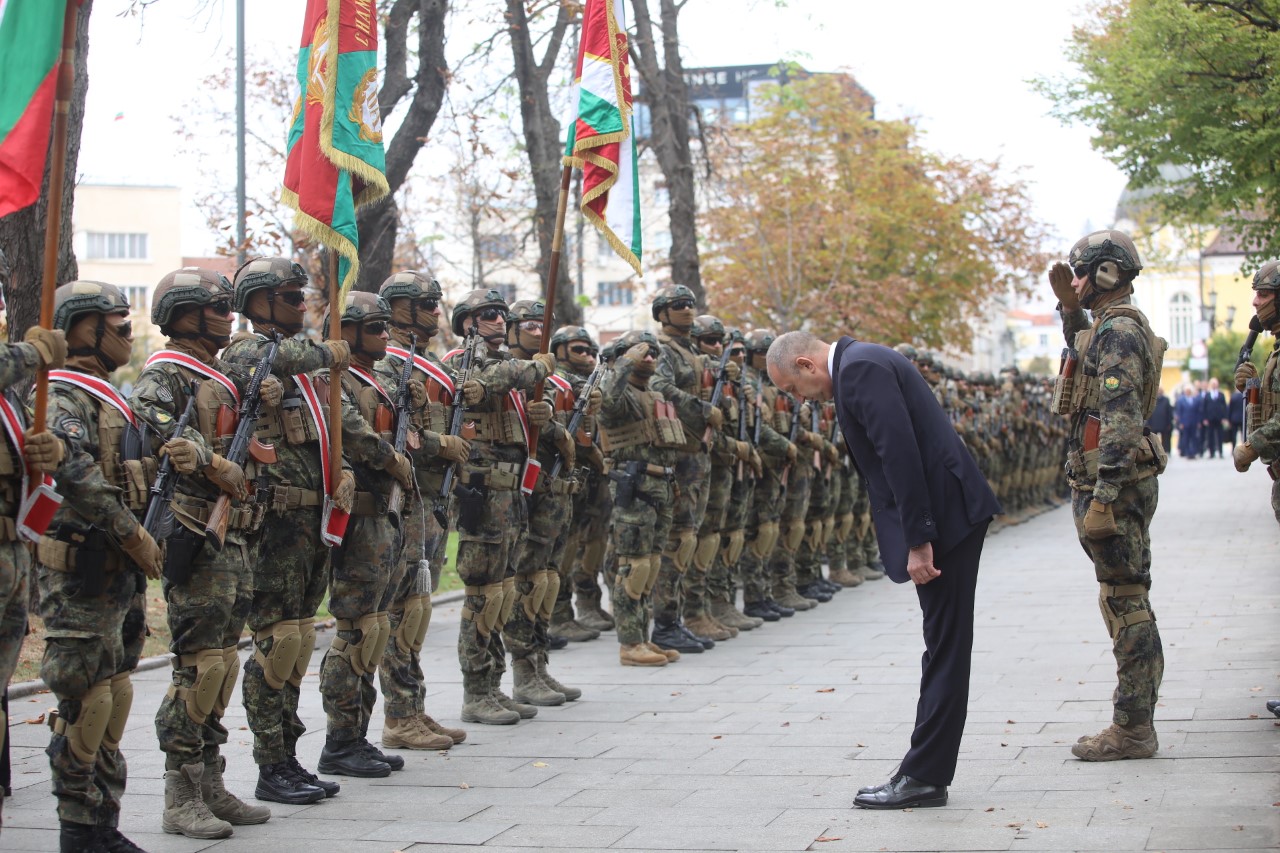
[(82, 553), (181, 548), (1117, 622), (471, 501)]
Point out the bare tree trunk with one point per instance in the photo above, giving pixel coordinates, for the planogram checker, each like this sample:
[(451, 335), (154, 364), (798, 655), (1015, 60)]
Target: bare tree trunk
[(379, 223), (543, 142), (662, 73), (22, 232)]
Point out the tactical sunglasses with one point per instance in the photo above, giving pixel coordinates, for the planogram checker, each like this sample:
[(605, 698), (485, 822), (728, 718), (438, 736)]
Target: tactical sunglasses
[(654, 351), (291, 297), (531, 325), (429, 303), (491, 314), (221, 307), (375, 327), (681, 305), (125, 329), (583, 349), (1081, 271), (711, 340)]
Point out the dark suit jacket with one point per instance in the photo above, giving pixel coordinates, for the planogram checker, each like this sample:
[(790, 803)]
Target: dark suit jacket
[(924, 485), (1236, 415), (1161, 419), (1188, 410), (1215, 406)]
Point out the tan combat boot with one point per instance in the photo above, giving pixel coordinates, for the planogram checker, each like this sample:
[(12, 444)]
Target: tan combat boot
[(785, 593), (480, 708), (525, 710), (639, 654), (531, 689), (456, 735), (702, 626), (590, 612), (411, 733), (729, 616), (225, 804), (670, 654), (185, 813), (846, 578), (563, 624), (1116, 742), (571, 694)]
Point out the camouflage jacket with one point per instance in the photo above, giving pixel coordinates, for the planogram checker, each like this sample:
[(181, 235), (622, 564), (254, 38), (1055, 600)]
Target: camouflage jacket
[(423, 446), (624, 405), (1266, 438), (499, 372), (18, 364), (678, 379), (773, 445), (364, 449)]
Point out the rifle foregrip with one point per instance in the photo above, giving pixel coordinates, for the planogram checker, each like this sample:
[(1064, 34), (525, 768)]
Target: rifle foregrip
[(215, 529)]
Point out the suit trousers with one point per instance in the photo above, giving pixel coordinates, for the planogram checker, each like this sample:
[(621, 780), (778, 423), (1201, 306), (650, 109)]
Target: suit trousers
[(947, 605)]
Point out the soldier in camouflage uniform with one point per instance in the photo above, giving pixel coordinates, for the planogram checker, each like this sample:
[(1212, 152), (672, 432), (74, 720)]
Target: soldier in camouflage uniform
[(91, 564), (1112, 465), (414, 299), (843, 474), (642, 436), (679, 379), (291, 561), (776, 453), (1262, 429), (576, 353), (537, 572), (491, 514), (820, 518), (367, 566), (791, 417), (208, 591), (42, 349)]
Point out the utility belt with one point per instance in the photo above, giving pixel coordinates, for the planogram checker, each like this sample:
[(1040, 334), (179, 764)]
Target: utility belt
[(61, 556), (502, 476), (627, 475), (367, 504), (246, 517), (1082, 464), (285, 498), (562, 485)]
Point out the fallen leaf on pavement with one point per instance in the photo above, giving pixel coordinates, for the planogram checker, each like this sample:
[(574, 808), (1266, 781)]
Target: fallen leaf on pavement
[(990, 808), (1041, 825), (825, 690), (463, 785), (539, 764), (1014, 825), (829, 838), (35, 721)]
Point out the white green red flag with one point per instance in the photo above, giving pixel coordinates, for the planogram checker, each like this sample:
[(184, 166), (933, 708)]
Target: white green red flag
[(601, 138), (335, 162), (30, 44)]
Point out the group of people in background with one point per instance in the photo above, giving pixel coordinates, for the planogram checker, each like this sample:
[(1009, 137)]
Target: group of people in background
[(1204, 416)]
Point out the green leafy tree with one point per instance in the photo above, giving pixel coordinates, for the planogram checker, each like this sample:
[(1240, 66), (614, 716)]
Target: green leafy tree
[(1184, 96)]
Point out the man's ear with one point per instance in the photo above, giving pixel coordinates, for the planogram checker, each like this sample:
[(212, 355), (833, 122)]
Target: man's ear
[(803, 362)]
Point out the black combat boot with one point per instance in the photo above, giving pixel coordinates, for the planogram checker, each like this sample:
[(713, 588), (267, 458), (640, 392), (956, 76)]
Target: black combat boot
[(330, 788), (392, 760), (761, 610), (79, 838), (349, 758), (780, 609), (113, 841), (707, 642), (671, 635), (278, 784)]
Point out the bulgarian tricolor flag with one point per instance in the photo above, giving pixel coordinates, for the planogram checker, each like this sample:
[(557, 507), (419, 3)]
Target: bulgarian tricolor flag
[(335, 160), (30, 41), (601, 139)]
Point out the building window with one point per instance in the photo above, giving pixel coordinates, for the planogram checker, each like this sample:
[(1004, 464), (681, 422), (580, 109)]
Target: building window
[(102, 246), (614, 293), (1044, 340), (1181, 321), (139, 299)]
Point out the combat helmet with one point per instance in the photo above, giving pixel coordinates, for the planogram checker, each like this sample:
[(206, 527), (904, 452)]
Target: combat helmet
[(707, 325), (759, 340), (1107, 258), (671, 293), (631, 338), (363, 307), (525, 309), (260, 273), (410, 284), (1267, 277), (566, 335), (907, 351), (473, 302), (196, 286), (82, 297)]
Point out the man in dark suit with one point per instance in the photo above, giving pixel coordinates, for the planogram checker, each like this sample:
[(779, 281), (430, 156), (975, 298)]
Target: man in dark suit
[(931, 507), (1187, 411), (1161, 420), (1214, 418)]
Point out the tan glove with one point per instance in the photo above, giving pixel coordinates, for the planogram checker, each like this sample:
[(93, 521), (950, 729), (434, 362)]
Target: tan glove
[(1243, 456), (594, 401), (568, 449), (51, 344), (715, 418), (636, 352), (1244, 373), (344, 494), (806, 413), (228, 476), (1099, 523), (144, 551), (401, 468), (183, 453), (44, 451), (742, 450), (547, 360), (749, 393), (417, 393), (592, 456), (1060, 278), (472, 392), (833, 453), (339, 354), (815, 441), (864, 523), (757, 464), (539, 413), (454, 448), (272, 391), (792, 452), (732, 370)]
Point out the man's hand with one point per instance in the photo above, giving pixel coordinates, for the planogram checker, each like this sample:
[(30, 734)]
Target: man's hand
[(732, 370), (742, 450), (1243, 456), (920, 564), (833, 453), (594, 401), (1244, 373), (272, 391), (226, 475), (401, 468), (792, 452), (472, 392), (51, 344), (749, 393), (44, 451), (1060, 278), (1099, 522), (417, 393), (344, 494), (539, 413), (547, 360), (183, 453), (715, 418), (144, 551), (568, 449), (454, 448), (757, 464), (339, 354), (636, 352)]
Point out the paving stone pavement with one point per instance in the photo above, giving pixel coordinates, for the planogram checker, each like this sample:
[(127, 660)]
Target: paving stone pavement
[(760, 744)]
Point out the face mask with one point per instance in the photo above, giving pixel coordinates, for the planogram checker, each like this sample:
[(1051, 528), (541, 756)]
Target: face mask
[(1269, 313), (115, 347), (416, 319), (263, 310), (681, 319)]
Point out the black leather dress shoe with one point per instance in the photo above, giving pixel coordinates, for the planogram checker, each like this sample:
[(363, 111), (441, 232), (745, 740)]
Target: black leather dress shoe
[(902, 792), (1273, 705)]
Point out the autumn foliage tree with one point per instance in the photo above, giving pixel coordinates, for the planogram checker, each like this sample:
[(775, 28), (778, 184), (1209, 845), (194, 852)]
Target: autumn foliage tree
[(823, 218)]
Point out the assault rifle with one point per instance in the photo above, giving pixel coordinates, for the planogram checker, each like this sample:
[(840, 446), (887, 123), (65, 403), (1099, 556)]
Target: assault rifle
[(742, 423), (1246, 351), (403, 403), (441, 506), (794, 406), (579, 412), (722, 376), (244, 443), (159, 519), (1253, 387)]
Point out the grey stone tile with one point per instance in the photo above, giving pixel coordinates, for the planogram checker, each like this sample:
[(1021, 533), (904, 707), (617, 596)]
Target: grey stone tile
[(594, 837), (406, 832)]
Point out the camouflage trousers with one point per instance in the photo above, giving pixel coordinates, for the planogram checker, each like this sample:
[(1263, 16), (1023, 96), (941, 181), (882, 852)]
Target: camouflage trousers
[(207, 612), (861, 547), (781, 568), (585, 553), (726, 573), (692, 476), (697, 580), (538, 577), (15, 573), (487, 560), (89, 638), (364, 569), (290, 574), (760, 536), (639, 532), (842, 521), (400, 675), (819, 524), (1122, 564), (1275, 499)]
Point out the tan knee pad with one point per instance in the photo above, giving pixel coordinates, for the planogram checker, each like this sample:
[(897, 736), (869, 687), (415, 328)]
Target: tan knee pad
[(812, 534), (704, 552), (844, 526), (202, 697), (231, 668), (286, 643), (551, 589), (87, 733), (634, 571), (733, 547), (531, 601), (363, 655), (487, 617), (793, 535), (828, 530), (508, 601), (766, 538), (121, 702), (1118, 622), (307, 646), (384, 636), (651, 577), (412, 630)]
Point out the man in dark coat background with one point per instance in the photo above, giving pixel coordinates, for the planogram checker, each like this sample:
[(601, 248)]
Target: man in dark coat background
[(1187, 410), (1161, 420), (931, 507), (1214, 418)]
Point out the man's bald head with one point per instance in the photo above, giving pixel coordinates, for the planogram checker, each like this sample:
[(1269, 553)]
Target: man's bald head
[(797, 363)]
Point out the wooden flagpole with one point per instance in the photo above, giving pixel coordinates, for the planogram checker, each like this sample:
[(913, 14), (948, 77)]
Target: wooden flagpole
[(335, 376), (549, 301), (53, 218)]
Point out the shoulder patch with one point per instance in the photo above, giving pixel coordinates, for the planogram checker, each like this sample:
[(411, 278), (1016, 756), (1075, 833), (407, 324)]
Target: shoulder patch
[(163, 394), (162, 416), (73, 428), (1111, 383)]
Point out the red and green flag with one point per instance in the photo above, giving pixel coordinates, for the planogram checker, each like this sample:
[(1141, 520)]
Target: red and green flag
[(335, 162), (601, 138), (30, 44)]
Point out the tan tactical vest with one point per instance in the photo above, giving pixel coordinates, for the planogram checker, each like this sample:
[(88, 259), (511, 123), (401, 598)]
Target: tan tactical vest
[(1085, 390), (692, 442), (660, 427), (133, 476)]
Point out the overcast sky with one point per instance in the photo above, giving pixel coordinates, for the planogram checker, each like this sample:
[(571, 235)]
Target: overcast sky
[(959, 69)]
